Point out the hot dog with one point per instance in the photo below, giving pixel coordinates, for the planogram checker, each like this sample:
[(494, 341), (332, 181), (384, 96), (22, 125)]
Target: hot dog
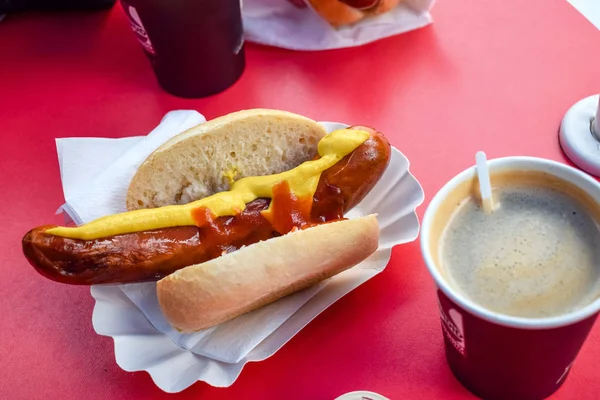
[(229, 216), (150, 255)]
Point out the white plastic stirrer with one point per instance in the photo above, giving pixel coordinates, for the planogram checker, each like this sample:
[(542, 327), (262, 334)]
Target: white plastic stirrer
[(485, 187)]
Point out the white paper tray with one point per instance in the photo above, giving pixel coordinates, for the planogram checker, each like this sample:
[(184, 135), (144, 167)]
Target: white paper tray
[(174, 366)]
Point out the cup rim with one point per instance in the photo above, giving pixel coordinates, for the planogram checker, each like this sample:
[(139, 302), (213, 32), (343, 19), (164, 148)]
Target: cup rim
[(469, 305)]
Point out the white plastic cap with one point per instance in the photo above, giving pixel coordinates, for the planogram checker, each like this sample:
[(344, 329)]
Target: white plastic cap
[(579, 133), (361, 395)]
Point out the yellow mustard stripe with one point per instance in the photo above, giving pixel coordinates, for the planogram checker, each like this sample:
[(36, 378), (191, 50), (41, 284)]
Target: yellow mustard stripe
[(303, 181)]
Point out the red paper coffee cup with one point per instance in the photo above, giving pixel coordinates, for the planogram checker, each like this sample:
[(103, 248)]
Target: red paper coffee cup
[(196, 48), (494, 355)]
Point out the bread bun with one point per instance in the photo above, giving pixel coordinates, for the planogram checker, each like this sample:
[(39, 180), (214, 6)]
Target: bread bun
[(336, 13), (348, 12), (204, 295), (385, 6), (207, 158)]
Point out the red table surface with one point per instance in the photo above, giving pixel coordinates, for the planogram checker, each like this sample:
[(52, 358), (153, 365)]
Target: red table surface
[(495, 76)]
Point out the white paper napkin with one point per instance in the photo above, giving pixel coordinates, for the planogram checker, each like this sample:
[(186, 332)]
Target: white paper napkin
[(96, 172), (282, 24)]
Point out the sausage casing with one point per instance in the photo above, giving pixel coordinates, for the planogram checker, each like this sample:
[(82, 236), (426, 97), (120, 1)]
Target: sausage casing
[(152, 255)]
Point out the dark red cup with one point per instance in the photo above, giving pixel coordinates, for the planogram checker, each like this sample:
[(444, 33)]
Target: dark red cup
[(196, 48), (497, 356)]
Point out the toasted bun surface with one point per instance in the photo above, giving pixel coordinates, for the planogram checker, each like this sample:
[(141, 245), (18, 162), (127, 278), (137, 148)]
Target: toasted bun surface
[(336, 13), (207, 158), (385, 6), (204, 295)]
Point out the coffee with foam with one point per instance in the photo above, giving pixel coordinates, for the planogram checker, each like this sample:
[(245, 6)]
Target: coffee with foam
[(537, 255)]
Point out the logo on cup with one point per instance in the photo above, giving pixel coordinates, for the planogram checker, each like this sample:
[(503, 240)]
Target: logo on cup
[(138, 28), (452, 325)]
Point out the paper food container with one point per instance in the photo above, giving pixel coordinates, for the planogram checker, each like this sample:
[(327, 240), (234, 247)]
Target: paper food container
[(144, 341)]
